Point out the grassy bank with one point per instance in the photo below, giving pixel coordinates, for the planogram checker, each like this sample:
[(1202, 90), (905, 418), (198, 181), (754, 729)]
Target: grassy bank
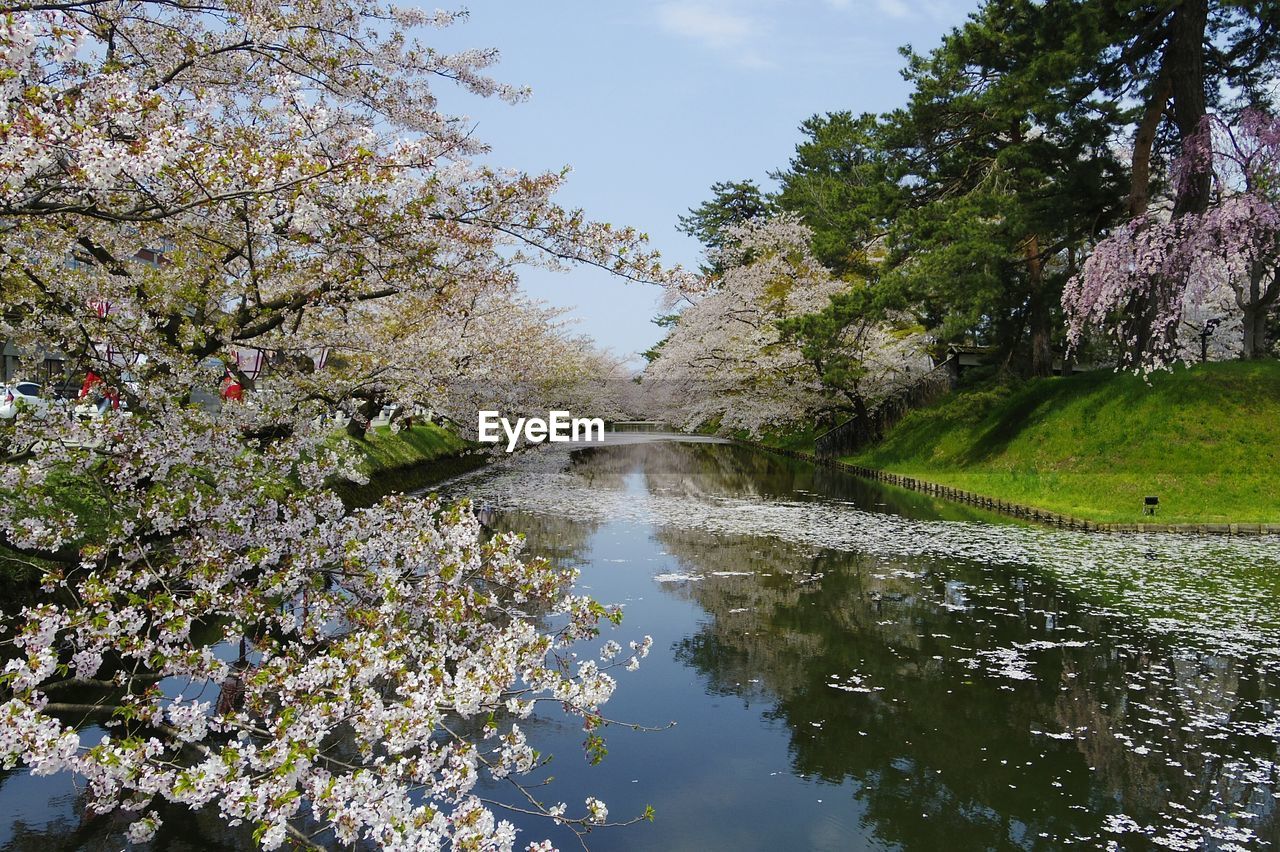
[(798, 439), (1206, 441), (406, 460)]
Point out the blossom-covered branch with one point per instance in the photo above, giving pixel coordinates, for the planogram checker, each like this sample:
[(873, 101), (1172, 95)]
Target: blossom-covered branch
[(267, 195), (1174, 265)]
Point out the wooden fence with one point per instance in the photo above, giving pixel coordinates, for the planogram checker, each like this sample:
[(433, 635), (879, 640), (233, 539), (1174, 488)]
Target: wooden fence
[(856, 432)]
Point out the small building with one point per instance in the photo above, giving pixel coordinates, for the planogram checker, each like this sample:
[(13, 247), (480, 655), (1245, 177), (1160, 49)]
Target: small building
[(50, 366)]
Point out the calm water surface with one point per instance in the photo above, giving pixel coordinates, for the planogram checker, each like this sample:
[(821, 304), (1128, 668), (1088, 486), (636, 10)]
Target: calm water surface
[(850, 667)]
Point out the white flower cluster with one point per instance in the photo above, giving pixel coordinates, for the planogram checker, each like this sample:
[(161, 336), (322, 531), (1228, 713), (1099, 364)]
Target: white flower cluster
[(728, 362), (268, 197)]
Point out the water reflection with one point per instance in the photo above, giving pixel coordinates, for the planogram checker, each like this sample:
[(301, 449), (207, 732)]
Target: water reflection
[(962, 702), (708, 469), (1022, 719), (855, 667)]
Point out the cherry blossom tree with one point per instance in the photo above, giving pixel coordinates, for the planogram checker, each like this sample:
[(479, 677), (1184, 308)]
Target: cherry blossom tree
[(1238, 243), (179, 183), (1229, 254), (499, 351), (729, 360)]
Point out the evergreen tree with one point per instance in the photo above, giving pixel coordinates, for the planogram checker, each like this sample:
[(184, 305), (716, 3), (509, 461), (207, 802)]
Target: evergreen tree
[(732, 203), (840, 181), (1006, 146)]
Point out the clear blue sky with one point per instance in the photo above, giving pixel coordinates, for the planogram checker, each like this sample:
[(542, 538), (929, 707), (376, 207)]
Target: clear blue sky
[(652, 101)]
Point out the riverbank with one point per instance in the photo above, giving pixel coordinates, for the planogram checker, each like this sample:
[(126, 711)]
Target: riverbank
[(1205, 441), (1086, 450), (407, 460)]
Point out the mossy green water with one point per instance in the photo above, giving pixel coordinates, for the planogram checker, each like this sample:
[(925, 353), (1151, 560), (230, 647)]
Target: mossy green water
[(1205, 440)]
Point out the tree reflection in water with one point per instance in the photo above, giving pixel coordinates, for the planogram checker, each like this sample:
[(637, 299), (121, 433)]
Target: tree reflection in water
[(931, 685), (882, 683), (967, 703)]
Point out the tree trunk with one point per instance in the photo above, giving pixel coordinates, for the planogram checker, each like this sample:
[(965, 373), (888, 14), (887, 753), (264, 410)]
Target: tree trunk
[(1038, 314), (1256, 310), (362, 413), (1255, 332), (1143, 141), (1140, 320), (860, 411), (859, 404), (1182, 66)]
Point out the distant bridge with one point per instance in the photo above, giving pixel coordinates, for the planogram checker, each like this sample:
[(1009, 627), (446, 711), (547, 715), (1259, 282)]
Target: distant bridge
[(638, 426)]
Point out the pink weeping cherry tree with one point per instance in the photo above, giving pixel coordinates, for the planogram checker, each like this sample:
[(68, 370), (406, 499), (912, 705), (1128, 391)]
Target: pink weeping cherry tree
[(1229, 253)]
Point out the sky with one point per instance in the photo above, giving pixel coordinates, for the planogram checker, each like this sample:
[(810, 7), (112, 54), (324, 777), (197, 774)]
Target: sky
[(652, 101)]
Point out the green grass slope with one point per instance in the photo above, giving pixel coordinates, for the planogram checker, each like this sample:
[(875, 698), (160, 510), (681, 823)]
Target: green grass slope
[(406, 460), (384, 450), (1205, 440)]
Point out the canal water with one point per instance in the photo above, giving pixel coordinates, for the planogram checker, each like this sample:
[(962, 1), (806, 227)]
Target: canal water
[(838, 665)]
